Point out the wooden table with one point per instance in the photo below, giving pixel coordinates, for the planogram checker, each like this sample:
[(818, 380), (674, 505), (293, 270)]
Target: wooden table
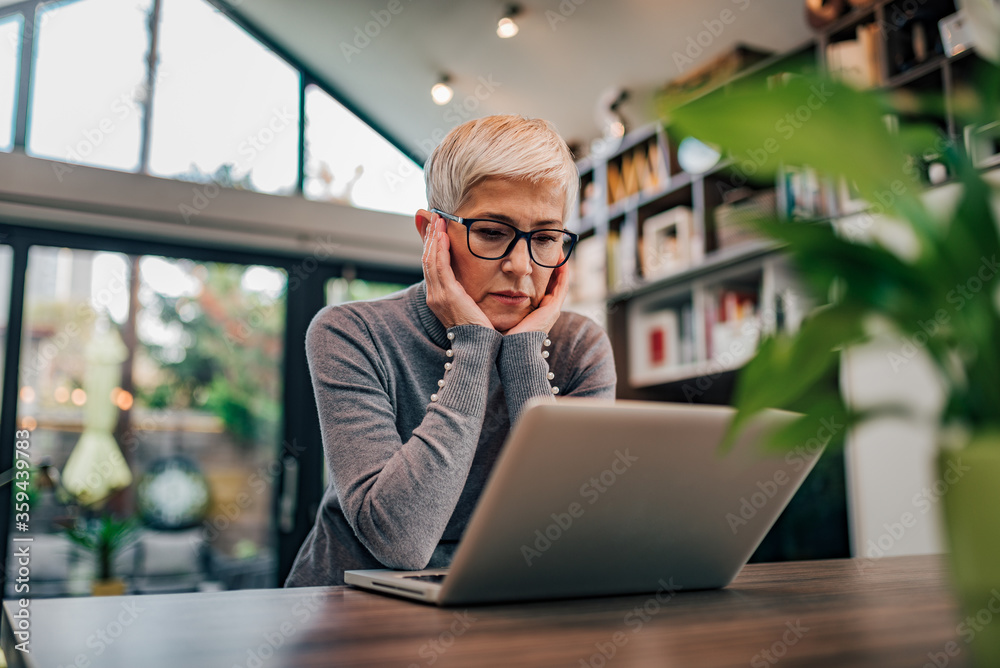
[(852, 612)]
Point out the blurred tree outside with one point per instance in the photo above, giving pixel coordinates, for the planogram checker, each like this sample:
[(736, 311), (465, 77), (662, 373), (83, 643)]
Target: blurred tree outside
[(227, 358)]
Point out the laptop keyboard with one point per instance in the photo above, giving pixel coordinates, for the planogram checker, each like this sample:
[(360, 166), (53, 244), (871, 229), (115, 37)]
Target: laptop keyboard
[(426, 578)]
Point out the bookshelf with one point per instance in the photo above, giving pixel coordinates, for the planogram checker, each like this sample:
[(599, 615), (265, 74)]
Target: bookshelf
[(664, 263)]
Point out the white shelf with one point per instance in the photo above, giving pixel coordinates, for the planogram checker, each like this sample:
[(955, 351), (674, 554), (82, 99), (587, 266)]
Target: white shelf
[(682, 372), (708, 348)]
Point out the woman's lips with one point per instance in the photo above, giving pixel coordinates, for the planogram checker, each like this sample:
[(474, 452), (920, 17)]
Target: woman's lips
[(509, 300)]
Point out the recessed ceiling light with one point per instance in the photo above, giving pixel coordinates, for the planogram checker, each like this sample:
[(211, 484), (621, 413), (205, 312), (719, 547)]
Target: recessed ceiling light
[(441, 92), (506, 27)]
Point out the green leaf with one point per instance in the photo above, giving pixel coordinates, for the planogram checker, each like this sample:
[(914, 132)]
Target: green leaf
[(798, 123), (788, 367), (826, 424), (872, 276)]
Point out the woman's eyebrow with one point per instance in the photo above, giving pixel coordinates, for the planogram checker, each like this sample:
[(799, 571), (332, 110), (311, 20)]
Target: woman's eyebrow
[(504, 218)]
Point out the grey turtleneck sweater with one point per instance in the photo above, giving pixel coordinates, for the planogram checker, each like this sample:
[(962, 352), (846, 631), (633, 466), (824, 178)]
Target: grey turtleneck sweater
[(406, 471)]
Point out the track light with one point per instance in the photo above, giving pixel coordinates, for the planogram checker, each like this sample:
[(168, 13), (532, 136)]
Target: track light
[(506, 26), (441, 92)]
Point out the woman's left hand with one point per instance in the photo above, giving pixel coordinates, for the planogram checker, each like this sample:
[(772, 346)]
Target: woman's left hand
[(543, 317)]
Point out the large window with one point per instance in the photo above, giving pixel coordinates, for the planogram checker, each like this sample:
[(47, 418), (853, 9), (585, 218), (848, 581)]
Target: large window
[(225, 108), (349, 162), (89, 82), (222, 107), (192, 352), (10, 62)]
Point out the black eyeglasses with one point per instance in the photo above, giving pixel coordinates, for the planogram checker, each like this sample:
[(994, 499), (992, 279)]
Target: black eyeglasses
[(494, 240)]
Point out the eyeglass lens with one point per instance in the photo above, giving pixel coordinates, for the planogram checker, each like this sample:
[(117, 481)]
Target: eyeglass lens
[(490, 240)]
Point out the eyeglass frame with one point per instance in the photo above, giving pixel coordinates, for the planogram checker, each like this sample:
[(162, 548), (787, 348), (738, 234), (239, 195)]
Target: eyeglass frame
[(518, 235)]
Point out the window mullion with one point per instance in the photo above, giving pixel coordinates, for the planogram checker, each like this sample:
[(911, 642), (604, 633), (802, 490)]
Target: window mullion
[(29, 12), (300, 181), (147, 106)]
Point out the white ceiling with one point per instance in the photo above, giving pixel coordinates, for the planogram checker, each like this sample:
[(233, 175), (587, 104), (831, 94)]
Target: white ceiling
[(567, 55)]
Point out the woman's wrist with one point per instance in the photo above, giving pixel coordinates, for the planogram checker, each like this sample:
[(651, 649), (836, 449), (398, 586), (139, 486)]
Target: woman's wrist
[(466, 363)]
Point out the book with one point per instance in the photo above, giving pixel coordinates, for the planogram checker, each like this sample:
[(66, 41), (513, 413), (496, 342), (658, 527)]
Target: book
[(870, 37), (687, 346), (627, 266), (612, 260), (662, 338), (855, 61), (616, 189), (644, 179), (630, 179), (658, 176), (736, 218)]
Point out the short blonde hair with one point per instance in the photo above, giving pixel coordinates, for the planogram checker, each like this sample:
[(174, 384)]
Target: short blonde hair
[(507, 147)]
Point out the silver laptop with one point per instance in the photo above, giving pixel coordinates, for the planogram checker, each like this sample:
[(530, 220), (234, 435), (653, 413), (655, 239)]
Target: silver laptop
[(593, 497)]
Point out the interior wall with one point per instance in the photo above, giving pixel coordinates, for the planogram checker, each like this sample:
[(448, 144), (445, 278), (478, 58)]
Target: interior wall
[(890, 462)]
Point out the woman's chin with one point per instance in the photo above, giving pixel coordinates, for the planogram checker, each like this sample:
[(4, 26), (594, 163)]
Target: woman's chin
[(505, 321)]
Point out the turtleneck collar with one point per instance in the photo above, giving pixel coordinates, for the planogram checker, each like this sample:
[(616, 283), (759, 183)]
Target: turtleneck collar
[(435, 330)]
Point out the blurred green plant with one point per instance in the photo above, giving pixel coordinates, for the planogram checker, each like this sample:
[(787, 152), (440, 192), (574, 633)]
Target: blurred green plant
[(869, 282), (104, 538)]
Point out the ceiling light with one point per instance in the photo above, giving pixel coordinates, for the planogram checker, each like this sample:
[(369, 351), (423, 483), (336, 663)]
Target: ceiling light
[(441, 92), (610, 120), (506, 26)]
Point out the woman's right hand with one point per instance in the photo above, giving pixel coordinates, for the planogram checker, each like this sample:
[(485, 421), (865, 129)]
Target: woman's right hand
[(446, 297)]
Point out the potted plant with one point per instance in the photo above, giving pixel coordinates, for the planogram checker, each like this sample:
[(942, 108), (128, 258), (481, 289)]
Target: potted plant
[(932, 268), (104, 538)]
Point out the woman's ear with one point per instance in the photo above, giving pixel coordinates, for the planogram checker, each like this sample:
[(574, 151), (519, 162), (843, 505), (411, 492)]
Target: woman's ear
[(423, 219)]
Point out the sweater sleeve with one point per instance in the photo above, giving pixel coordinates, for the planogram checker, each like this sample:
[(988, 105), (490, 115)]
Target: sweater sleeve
[(396, 496), (587, 371)]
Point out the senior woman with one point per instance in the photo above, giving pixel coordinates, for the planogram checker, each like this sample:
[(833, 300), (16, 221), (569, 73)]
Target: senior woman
[(417, 391)]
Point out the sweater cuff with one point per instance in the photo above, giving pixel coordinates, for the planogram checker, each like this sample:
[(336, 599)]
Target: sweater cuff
[(465, 374), (523, 370)]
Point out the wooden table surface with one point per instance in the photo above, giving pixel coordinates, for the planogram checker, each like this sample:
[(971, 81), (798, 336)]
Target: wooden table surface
[(852, 612)]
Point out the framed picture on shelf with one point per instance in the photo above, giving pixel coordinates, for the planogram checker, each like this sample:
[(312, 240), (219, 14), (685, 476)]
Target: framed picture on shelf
[(983, 143), (655, 345), (666, 242), (955, 34), (849, 200), (735, 330)]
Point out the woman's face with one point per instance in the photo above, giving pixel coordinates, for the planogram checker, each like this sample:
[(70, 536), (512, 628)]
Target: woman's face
[(509, 289)]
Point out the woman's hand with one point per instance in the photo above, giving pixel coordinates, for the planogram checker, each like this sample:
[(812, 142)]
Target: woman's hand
[(543, 317), (446, 297)]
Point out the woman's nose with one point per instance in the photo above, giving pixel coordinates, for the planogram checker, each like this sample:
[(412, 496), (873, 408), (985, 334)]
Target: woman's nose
[(519, 258)]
